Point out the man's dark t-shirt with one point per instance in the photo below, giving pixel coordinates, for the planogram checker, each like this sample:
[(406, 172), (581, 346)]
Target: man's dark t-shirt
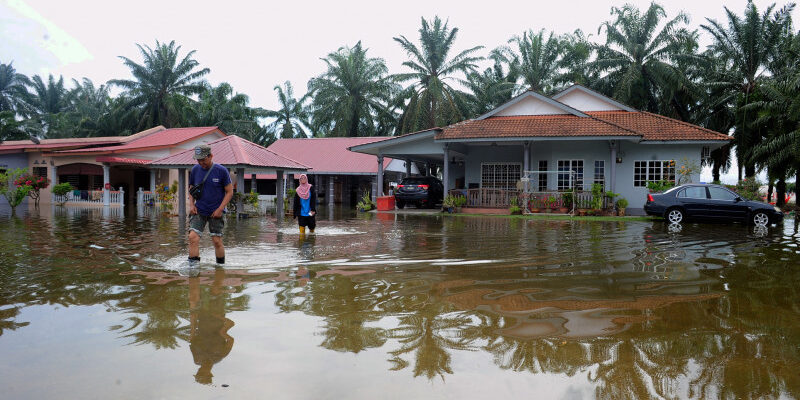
[(213, 188)]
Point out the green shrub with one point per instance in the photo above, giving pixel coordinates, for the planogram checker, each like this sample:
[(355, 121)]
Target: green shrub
[(748, 189), (660, 186), (16, 194), (366, 203), (622, 203), (62, 189)]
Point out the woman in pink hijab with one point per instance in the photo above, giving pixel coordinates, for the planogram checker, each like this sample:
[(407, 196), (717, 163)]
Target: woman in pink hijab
[(305, 205)]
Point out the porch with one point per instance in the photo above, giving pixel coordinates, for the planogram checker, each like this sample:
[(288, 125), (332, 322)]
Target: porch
[(531, 201)]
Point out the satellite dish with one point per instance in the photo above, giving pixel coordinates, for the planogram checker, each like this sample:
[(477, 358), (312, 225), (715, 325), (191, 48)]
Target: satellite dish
[(34, 139)]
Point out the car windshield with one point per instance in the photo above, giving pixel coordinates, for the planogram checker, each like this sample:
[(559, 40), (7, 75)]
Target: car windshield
[(416, 181)]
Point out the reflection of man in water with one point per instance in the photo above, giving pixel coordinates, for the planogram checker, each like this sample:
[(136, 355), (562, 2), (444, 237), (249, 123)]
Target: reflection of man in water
[(209, 340)]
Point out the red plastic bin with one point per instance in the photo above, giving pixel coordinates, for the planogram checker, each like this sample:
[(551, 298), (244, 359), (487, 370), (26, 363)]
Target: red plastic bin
[(385, 203)]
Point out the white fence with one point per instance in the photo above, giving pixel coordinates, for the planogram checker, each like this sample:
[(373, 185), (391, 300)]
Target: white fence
[(92, 197)]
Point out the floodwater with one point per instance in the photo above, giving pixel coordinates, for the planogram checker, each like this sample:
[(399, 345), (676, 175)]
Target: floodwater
[(386, 306)]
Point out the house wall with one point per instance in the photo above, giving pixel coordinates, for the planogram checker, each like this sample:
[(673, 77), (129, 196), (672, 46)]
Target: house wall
[(531, 106), (9, 162), (588, 151), (581, 101)]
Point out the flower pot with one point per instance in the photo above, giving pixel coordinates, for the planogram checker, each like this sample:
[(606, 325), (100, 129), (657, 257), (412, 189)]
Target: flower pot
[(563, 210), (547, 211), (535, 210), (458, 209), (621, 212)]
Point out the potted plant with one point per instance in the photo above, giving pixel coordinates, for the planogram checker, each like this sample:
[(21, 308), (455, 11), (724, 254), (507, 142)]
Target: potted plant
[(566, 202), (533, 204), (366, 203), (514, 209), (449, 204), (597, 198), (622, 203), (548, 204), (460, 202), (61, 190)]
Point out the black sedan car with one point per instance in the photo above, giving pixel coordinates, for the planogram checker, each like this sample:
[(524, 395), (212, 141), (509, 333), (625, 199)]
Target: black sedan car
[(423, 191), (709, 202)]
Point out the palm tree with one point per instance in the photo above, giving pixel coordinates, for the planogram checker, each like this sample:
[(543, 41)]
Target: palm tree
[(12, 87), (89, 105), (494, 86), (45, 108), (220, 106), (539, 59), (291, 120), (160, 83), (576, 51), (779, 117), (637, 58), (746, 45), (432, 100), (352, 94)]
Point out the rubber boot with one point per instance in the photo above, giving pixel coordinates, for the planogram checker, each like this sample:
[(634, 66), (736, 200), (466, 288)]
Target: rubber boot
[(302, 230)]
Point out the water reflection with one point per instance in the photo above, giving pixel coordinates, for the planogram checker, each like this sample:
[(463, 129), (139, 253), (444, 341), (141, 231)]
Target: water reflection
[(641, 309)]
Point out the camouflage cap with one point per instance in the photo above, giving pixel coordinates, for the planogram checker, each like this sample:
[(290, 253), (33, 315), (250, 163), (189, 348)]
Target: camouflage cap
[(202, 151)]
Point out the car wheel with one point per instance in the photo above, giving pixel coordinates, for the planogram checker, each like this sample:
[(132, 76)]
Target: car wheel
[(760, 219), (675, 215), (401, 204)]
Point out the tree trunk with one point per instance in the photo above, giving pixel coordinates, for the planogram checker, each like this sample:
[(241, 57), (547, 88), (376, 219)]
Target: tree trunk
[(769, 191), (781, 200)]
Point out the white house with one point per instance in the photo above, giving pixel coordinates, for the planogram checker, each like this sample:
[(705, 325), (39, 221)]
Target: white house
[(571, 140)]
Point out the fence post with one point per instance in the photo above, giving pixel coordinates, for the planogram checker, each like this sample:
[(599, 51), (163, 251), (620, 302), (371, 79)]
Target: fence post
[(121, 197), (139, 196)]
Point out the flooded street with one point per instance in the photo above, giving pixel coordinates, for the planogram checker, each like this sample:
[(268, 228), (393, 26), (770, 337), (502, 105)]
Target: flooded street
[(396, 307)]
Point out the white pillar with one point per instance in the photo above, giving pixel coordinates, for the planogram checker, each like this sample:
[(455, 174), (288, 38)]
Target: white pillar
[(239, 187), (182, 193), (253, 183), (53, 180), (379, 189), (279, 194), (446, 170), (408, 167), (106, 181), (152, 181), (330, 189), (613, 177)]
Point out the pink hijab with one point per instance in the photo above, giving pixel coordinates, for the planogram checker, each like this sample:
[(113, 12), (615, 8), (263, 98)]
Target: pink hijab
[(304, 190)]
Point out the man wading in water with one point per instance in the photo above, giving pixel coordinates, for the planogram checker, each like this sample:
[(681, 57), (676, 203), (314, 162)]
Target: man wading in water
[(211, 190)]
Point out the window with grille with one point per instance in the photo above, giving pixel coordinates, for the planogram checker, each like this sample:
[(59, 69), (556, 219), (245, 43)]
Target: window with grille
[(500, 175), (542, 177), (564, 166), (653, 171), (40, 172), (600, 173)]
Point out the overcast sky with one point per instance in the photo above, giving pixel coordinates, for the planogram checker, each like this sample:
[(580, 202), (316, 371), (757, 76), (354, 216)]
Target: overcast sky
[(255, 45)]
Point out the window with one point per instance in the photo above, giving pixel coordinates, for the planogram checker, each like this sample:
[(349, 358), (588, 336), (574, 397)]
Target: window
[(653, 171), (500, 175), (705, 154), (600, 173), (542, 177), (718, 193), (564, 166), (693, 192), (40, 172)]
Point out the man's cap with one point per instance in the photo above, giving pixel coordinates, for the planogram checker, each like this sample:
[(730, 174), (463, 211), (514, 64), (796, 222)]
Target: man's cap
[(202, 151)]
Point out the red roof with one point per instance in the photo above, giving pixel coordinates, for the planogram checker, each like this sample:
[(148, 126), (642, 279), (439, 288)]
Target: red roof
[(121, 160), (532, 125), (159, 139), (234, 151), (646, 125), (658, 127), (331, 155)]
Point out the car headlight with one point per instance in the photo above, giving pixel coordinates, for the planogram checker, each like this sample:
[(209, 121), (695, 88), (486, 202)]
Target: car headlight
[(778, 209)]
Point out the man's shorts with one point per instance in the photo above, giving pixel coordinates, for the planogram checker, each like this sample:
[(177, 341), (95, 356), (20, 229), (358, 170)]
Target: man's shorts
[(197, 223)]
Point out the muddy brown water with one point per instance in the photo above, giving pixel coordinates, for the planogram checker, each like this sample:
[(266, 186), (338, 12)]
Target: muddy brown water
[(103, 305)]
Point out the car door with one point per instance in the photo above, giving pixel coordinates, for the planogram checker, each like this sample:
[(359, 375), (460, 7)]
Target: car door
[(725, 204), (694, 199)]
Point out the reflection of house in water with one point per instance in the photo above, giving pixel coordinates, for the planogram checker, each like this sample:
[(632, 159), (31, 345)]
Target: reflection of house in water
[(570, 312)]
